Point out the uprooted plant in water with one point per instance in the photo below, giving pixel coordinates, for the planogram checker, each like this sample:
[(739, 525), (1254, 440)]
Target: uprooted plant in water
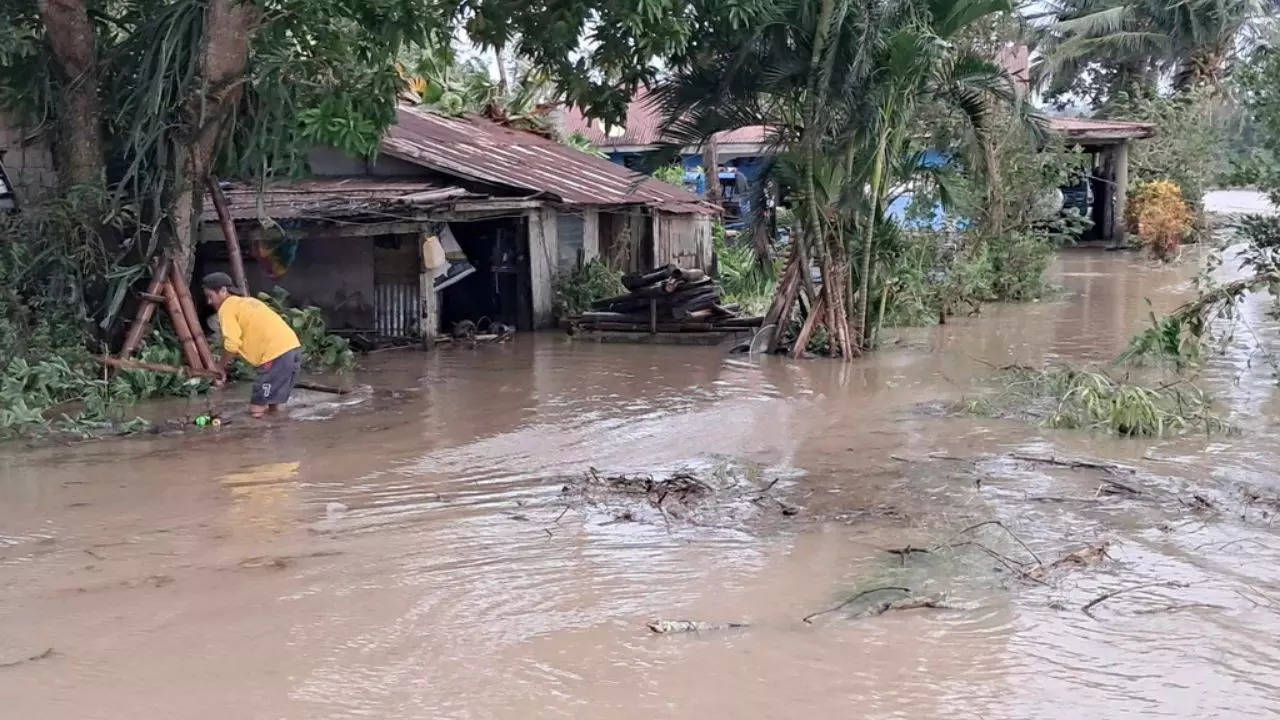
[(1064, 397)]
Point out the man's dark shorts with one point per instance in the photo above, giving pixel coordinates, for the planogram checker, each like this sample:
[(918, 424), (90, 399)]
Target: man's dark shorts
[(276, 378)]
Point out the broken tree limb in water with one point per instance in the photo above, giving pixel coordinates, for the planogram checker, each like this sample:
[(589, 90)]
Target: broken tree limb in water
[(1002, 526), (888, 588), (33, 658), (1142, 586), (936, 602), (1072, 463)]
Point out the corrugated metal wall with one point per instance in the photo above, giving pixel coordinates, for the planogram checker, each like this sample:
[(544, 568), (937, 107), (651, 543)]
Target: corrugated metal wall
[(396, 308)]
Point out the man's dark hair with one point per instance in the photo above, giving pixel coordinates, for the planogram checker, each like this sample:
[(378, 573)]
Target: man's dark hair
[(219, 280)]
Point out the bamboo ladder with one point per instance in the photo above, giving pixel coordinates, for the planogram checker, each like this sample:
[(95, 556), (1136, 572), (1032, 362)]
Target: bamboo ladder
[(169, 289)]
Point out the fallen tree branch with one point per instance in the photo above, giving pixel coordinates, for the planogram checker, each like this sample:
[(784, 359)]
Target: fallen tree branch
[(1071, 463), (809, 618), (41, 656), (1107, 596), (1002, 526), (911, 603)]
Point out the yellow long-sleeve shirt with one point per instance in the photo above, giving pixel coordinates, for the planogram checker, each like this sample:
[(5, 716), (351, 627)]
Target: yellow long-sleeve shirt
[(254, 331)]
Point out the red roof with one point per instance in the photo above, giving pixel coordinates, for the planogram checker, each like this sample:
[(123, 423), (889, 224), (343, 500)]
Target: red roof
[(643, 128), (1086, 129), (480, 149)]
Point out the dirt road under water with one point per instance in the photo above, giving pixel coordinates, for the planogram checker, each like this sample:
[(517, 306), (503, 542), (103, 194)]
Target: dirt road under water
[(412, 557)]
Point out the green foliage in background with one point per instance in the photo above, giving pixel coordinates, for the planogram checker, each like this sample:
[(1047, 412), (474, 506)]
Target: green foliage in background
[(1190, 149), (1258, 86), (320, 349), (743, 279), (573, 292), (579, 142), (671, 175)]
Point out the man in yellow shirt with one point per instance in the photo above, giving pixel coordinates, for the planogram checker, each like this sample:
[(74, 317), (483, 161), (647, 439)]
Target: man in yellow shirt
[(253, 331)]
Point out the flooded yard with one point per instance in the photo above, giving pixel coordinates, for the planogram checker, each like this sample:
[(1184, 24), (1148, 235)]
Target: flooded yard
[(417, 557)]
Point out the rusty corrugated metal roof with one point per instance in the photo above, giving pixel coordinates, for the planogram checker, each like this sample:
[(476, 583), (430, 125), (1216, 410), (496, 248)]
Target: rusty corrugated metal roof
[(643, 127), (1086, 129), (329, 198), (480, 149)]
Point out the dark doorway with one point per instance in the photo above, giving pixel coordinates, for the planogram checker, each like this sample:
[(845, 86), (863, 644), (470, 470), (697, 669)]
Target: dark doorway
[(498, 291)]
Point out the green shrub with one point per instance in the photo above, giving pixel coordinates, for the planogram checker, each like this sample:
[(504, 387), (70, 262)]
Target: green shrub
[(320, 349), (742, 279), (574, 291)]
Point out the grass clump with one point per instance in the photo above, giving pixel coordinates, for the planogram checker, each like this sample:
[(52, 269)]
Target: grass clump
[(1067, 398)]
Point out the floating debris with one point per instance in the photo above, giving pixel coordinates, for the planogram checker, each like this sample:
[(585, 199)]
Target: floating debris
[(671, 627)]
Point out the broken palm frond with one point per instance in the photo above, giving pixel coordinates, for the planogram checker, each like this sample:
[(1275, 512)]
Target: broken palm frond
[(1180, 335), (672, 627), (1063, 397)]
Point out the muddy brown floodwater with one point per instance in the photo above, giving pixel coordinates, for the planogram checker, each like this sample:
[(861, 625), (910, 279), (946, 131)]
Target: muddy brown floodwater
[(411, 557)]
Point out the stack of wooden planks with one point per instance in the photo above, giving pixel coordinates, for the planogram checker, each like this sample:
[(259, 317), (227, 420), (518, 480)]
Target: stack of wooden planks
[(663, 300)]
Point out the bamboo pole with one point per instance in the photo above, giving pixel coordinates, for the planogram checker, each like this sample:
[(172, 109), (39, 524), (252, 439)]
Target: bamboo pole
[(145, 310), (125, 364), (193, 321), (179, 321), (229, 235)]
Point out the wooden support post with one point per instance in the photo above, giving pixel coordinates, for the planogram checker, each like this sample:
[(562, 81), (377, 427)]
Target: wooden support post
[(590, 234), (189, 351), (542, 252), (188, 306), (653, 316), (146, 309), (1106, 171), (428, 315), (1121, 196), (229, 234)]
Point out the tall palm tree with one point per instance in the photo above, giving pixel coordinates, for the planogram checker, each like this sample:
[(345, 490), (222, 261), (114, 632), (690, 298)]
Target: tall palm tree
[(1107, 46), (841, 84)]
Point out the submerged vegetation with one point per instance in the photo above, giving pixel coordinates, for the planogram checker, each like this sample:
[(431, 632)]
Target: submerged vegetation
[(1063, 397)]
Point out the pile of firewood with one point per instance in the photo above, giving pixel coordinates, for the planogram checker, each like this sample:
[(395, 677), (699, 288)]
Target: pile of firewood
[(666, 299)]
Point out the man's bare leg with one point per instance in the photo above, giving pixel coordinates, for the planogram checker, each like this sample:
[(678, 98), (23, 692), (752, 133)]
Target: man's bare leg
[(273, 409), (257, 411)]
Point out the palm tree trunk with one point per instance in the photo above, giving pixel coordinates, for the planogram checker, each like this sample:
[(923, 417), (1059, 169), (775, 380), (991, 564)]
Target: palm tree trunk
[(868, 248), (503, 84)]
